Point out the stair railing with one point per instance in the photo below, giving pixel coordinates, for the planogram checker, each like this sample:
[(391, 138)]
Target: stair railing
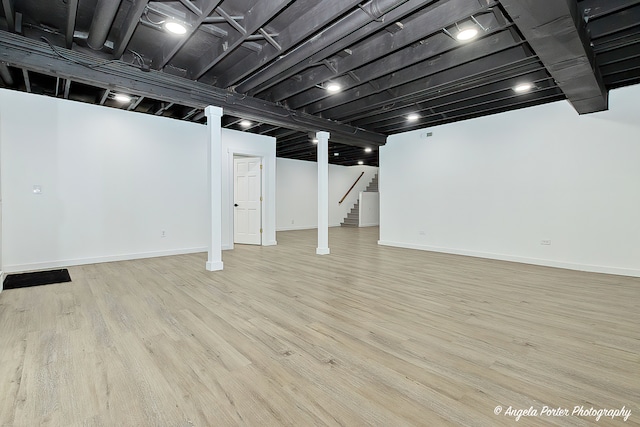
[(349, 191)]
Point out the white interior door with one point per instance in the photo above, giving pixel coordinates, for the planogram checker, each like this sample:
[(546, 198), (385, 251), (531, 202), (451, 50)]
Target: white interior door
[(247, 217)]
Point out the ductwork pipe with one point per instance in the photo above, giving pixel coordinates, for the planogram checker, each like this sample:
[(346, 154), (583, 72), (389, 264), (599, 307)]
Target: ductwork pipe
[(5, 74), (103, 17)]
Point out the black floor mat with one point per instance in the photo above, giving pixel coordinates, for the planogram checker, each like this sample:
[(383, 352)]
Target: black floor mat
[(24, 280)]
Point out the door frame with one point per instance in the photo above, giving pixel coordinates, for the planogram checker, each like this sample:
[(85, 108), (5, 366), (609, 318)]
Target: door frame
[(252, 145), (233, 194)]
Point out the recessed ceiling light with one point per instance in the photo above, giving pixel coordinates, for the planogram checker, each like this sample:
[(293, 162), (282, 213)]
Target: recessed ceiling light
[(314, 140), (120, 97), (413, 117), (522, 87), (245, 123), (333, 87), (466, 34), (175, 27), (367, 150), (360, 162), (336, 154)]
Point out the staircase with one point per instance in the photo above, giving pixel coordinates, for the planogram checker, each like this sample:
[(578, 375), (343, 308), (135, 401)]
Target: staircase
[(353, 217)]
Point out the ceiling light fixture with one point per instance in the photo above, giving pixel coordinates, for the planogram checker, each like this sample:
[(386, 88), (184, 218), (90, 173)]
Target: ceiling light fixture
[(336, 154), (367, 150), (120, 97), (467, 34), (333, 87), (522, 87), (245, 123), (314, 140), (175, 27), (360, 162), (413, 117)]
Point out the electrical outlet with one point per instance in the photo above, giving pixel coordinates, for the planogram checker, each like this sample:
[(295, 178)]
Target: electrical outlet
[(545, 242), (163, 234), (422, 233), (291, 221)]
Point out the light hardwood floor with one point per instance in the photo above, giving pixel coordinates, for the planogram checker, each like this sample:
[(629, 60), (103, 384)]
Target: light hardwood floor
[(368, 335)]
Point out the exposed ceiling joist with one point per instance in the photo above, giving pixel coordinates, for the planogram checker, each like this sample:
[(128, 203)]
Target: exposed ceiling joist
[(34, 55), (334, 39), (173, 45), (320, 13), (261, 12), (441, 16), (440, 53), (5, 74), (556, 33), (597, 9), (10, 14), (128, 27)]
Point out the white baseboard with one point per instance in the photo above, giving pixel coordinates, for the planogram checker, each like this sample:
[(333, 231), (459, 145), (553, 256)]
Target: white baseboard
[(96, 260), (513, 258), (1, 280), (270, 243)]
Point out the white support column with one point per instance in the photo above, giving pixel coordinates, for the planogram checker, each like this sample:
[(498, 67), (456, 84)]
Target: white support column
[(214, 178), (323, 193)]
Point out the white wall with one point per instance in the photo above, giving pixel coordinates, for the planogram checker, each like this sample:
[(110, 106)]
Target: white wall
[(369, 213), (111, 181), (497, 186), (297, 192)]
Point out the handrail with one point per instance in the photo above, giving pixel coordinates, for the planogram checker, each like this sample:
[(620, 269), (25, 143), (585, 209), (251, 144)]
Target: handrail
[(349, 191)]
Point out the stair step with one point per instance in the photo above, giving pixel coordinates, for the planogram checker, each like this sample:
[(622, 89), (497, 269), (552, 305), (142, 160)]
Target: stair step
[(348, 225)]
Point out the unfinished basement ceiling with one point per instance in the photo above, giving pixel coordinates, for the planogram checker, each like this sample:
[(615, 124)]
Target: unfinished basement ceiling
[(271, 62)]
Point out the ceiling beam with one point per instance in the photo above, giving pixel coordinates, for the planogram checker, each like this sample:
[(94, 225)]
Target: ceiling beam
[(173, 44), (128, 27), (319, 12), (21, 52), (556, 32)]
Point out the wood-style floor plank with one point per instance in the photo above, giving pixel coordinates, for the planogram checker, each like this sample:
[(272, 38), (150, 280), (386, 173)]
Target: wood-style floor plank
[(368, 335)]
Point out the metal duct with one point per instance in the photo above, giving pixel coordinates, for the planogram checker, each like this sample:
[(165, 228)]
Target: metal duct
[(5, 74), (103, 17)]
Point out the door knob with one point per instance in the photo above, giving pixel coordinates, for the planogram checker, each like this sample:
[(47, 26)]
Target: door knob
[(235, 204)]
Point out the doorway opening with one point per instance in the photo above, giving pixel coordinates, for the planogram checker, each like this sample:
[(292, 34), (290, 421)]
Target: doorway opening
[(247, 200)]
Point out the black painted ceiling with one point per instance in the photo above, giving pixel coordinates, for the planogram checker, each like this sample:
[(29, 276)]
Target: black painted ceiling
[(271, 61)]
